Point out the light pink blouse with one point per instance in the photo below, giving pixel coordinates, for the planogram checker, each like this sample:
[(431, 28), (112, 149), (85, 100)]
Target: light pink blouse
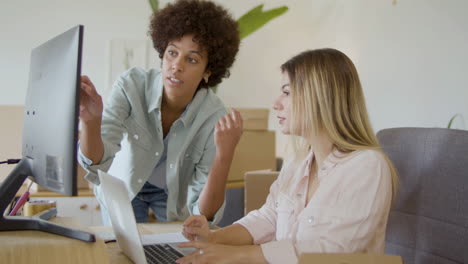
[(348, 212)]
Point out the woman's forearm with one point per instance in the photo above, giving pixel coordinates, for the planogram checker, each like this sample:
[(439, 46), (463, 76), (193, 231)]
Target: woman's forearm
[(235, 235), (212, 196), (91, 142), (228, 131)]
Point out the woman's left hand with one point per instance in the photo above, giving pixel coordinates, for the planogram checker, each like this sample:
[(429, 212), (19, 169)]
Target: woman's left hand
[(212, 253), (228, 131)]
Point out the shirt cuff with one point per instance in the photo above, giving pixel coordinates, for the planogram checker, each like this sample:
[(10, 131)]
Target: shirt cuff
[(279, 252), (217, 217), (91, 168), (85, 161)]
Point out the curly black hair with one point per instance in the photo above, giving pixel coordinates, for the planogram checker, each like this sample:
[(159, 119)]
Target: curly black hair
[(213, 28)]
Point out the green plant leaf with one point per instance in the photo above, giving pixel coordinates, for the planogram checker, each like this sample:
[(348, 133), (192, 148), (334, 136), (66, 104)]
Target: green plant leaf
[(256, 18), (154, 5), (452, 119)]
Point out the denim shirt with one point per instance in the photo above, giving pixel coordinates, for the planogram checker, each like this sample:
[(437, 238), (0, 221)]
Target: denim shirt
[(133, 141)]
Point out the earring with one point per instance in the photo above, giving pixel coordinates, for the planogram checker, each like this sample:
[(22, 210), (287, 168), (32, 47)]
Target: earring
[(206, 79)]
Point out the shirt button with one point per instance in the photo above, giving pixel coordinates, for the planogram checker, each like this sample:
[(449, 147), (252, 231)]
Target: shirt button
[(135, 136), (276, 204), (157, 153), (171, 165), (310, 219), (140, 180), (175, 134), (186, 155)]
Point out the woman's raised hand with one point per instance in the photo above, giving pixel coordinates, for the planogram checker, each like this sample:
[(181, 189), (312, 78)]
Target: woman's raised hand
[(91, 105), (228, 131)]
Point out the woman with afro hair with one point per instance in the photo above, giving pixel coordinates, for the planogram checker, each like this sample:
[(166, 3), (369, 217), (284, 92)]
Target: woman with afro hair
[(168, 133)]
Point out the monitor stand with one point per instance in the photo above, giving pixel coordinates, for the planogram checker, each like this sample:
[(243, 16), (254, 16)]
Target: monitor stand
[(8, 190)]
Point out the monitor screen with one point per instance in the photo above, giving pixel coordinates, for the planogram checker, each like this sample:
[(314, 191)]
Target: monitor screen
[(51, 112)]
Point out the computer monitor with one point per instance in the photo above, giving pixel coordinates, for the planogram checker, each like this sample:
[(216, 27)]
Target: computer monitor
[(50, 130)]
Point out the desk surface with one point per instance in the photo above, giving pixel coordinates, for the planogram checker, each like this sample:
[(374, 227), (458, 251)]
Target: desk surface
[(40, 247)]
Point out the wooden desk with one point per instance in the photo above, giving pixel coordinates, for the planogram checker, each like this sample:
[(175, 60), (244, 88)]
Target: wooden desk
[(40, 247)]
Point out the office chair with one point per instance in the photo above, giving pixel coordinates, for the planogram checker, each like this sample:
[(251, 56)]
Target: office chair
[(428, 221)]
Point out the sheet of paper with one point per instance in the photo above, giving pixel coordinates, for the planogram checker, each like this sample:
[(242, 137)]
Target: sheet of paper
[(163, 238), (107, 236)]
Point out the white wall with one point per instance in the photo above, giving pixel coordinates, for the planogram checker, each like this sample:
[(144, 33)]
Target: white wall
[(412, 56)]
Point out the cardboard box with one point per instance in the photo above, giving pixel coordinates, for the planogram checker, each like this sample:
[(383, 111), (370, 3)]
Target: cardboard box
[(257, 187), (311, 258), (254, 118), (255, 151)]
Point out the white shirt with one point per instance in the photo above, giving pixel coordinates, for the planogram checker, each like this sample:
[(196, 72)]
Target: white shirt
[(347, 212)]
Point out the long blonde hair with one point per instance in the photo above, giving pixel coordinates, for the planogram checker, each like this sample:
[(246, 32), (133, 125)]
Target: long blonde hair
[(327, 96)]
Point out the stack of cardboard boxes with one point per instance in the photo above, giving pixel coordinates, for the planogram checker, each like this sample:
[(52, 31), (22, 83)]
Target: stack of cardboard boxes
[(256, 148)]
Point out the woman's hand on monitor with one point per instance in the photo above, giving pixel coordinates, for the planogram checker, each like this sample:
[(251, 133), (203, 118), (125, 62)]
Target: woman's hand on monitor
[(91, 105)]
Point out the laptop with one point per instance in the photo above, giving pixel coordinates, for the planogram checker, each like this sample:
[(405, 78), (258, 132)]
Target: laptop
[(125, 228)]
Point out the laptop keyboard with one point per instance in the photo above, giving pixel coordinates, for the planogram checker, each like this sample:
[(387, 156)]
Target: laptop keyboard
[(161, 254)]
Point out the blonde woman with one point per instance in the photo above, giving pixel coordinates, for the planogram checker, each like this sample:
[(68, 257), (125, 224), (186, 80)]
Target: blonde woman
[(334, 195)]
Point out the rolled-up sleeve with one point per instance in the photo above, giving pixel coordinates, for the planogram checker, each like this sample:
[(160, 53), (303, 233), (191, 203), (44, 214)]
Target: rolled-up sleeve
[(91, 168), (217, 217), (117, 109)]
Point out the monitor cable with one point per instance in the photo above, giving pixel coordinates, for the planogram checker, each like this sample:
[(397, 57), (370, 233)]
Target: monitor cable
[(15, 200), (10, 161)]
